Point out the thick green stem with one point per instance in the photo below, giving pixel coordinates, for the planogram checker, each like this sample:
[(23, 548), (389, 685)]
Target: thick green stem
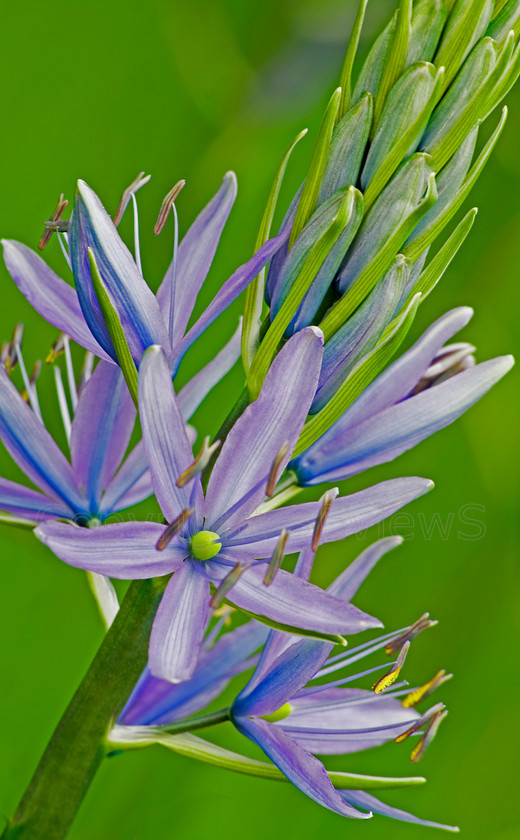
[(77, 747)]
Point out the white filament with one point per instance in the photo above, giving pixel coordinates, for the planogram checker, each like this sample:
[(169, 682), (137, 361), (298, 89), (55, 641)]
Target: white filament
[(70, 373), (31, 389), (136, 235), (62, 400)]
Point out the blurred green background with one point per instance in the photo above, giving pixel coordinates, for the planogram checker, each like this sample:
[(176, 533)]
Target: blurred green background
[(189, 90)]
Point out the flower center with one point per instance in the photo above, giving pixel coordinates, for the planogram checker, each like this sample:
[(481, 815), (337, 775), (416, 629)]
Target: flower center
[(205, 545)]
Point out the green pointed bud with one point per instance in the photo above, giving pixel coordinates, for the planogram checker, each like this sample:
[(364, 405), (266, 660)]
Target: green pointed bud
[(205, 544), (347, 148), (466, 24), (372, 71), (407, 100), (428, 21), (508, 18), (396, 61), (346, 72), (280, 714)]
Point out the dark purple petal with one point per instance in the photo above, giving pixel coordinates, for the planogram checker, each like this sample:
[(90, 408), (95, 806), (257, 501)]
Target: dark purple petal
[(275, 418), (179, 625), (305, 771), (362, 799), (194, 257), (124, 550), (101, 429), (51, 296), (20, 500)]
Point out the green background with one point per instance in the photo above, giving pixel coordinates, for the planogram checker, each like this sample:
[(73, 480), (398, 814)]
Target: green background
[(189, 90)]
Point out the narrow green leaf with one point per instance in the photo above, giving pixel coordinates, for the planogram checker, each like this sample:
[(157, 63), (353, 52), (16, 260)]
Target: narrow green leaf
[(114, 328), (344, 308), (254, 297), (311, 266), (135, 737), (400, 127), (396, 59), (311, 187), (508, 18), (505, 83), (467, 22), (346, 72), (365, 371), (419, 244)]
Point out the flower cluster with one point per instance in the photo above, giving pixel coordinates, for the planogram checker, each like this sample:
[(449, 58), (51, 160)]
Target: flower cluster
[(328, 301)]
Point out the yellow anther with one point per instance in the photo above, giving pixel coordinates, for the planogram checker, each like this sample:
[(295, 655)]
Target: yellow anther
[(388, 679), (425, 690)]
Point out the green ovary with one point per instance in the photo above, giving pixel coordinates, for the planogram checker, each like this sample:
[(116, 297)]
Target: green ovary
[(205, 545)]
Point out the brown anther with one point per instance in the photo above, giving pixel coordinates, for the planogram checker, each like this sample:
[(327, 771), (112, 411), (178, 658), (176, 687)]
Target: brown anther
[(126, 198), (5, 355), (17, 338), (228, 582), (55, 223), (439, 707), (56, 349), (277, 558), (200, 463), (388, 679), (35, 373), (326, 501), (274, 475), (422, 623), (173, 528), (425, 690), (166, 205), (430, 733)]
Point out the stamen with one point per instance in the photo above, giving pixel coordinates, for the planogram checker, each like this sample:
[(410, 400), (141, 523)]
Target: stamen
[(200, 463), (6, 359), (326, 501), (56, 349), (86, 370), (173, 528), (136, 236), (425, 690), (31, 395), (274, 475), (388, 679), (431, 731), (422, 623), (277, 558), (70, 372), (33, 379), (63, 240), (134, 187), (228, 582), (62, 401), (55, 223), (168, 200), (173, 284), (439, 707)]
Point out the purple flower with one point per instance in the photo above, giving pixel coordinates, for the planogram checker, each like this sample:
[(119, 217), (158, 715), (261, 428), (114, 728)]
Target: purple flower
[(216, 539), (427, 388)]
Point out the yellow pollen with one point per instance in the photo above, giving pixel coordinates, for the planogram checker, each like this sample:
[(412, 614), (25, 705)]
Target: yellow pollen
[(416, 696)]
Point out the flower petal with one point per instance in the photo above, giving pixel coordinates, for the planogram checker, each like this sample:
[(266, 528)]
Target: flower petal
[(179, 626), (137, 307), (124, 550), (23, 501), (199, 386), (362, 799), (131, 484), (305, 771), (31, 446), (167, 447), (275, 418), (194, 257), (101, 429), (51, 296)]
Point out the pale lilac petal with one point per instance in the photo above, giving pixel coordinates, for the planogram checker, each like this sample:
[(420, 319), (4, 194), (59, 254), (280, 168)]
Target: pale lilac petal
[(136, 305), (101, 430), (32, 447), (22, 501), (227, 293), (293, 603), (347, 584), (305, 771), (400, 427), (167, 447), (195, 255), (276, 417), (257, 537), (124, 550), (196, 390), (179, 626), (362, 799), (131, 484), (51, 296)]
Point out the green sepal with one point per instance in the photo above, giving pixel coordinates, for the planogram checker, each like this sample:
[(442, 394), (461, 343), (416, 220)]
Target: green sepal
[(313, 262), (346, 72), (378, 254), (372, 71), (507, 19), (347, 148), (114, 328), (136, 737), (406, 112), (311, 187), (467, 22), (17, 521), (254, 297), (365, 371), (428, 21), (413, 249), (396, 61)]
